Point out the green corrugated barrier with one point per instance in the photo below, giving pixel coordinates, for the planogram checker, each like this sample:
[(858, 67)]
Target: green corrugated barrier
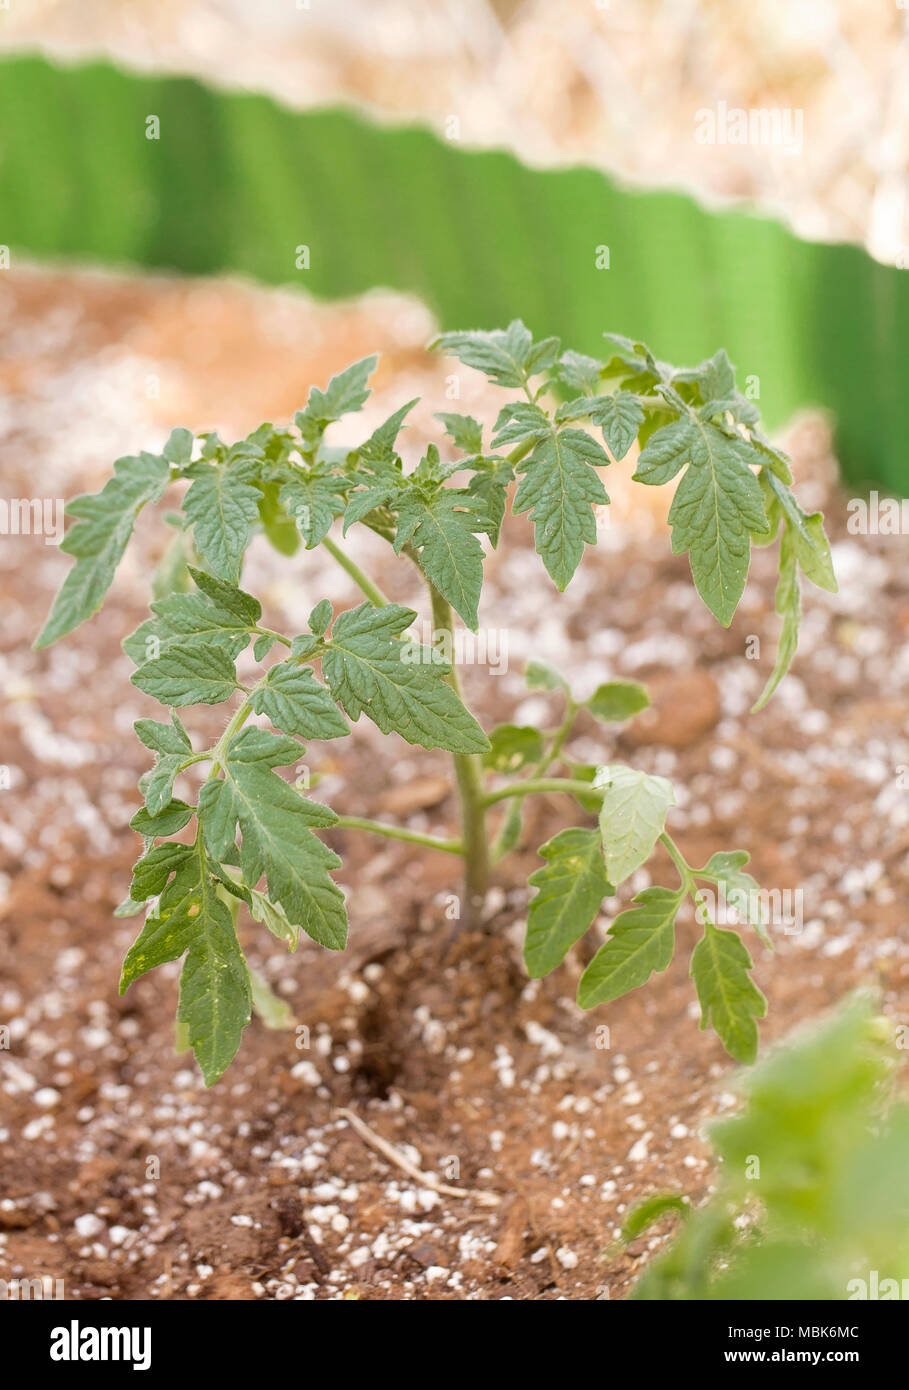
[(236, 183)]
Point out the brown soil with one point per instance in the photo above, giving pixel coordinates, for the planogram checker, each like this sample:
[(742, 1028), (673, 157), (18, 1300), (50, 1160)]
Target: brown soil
[(121, 1173)]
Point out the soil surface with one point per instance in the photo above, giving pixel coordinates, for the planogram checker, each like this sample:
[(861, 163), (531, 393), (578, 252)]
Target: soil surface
[(121, 1173)]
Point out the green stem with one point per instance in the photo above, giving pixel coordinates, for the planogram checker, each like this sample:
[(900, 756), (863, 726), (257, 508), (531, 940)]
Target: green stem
[(683, 868), (510, 830), (270, 632), (363, 581), (236, 721), (539, 784), (469, 776), (396, 832)]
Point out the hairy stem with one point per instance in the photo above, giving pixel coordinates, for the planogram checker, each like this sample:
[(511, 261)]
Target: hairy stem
[(396, 832), (469, 776)]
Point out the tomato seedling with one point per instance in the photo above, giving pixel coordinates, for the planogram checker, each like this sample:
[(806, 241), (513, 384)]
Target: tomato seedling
[(257, 840)]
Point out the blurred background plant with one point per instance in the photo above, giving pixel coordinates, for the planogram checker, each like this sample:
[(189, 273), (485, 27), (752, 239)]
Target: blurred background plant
[(812, 1194)]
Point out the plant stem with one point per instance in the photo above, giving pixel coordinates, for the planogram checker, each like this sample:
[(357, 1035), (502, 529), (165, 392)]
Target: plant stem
[(395, 832), (363, 581), (675, 854), (469, 776), (539, 784), (270, 632), (236, 721), (510, 830)]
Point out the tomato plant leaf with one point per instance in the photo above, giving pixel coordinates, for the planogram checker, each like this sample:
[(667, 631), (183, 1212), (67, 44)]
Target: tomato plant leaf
[(632, 817), (641, 941), (104, 524), (617, 701), (295, 701), (571, 886), (401, 686), (215, 998), (559, 489), (222, 505), (197, 674), (730, 1001)]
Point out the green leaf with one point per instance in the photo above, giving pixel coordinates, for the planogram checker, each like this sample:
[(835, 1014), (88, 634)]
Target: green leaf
[(730, 1001), (263, 645), (365, 500), (277, 826), (617, 701), (175, 815), (274, 1012), (441, 527), (151, 873), (503, 356), (193, 675), (345, 392), (314, 497), (153, 870), (465, 432), (560, 489), (517, 421), (579, 372), (812, 548), (222, 505), (632, 817), (320, 617), (789, 607), (273, 916), (399, 685), (295, 701), (215, 995), (619, 417), (646, 1213), (379, 450), (716, 508), (219, 616), (179, 447), (489, 485), (280, 528), (103, 527), (159, 784), (163, 738), (571, 887), (539, 676), (726, 869), (811, 1175), (227, 598), (513, 746), (641, 941)]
